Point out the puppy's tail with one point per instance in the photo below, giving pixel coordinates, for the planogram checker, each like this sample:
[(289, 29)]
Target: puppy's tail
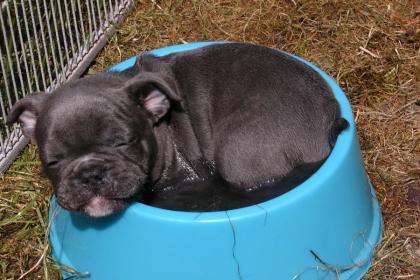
[(338, 126)]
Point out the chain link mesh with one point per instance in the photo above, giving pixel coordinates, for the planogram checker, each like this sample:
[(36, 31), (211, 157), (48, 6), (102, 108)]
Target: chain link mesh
[(44, 43)]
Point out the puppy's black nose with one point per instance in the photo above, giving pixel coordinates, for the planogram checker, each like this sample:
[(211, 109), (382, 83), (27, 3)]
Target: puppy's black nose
[(90, 171), (91, 177)]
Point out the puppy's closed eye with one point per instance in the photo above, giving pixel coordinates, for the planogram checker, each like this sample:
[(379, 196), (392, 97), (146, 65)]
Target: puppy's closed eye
[(125, 143), (53, 163), (53, 160), (120, 144)]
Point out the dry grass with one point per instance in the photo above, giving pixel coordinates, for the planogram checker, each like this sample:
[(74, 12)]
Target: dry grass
[(370, 47)]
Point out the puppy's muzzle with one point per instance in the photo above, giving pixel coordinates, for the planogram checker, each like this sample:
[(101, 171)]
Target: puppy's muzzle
[(90, 172)]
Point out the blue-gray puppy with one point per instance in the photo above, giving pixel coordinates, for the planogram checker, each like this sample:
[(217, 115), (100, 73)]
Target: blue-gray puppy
[(215, 128)]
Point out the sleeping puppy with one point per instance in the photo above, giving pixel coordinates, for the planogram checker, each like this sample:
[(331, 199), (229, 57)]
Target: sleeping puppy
[(214, 128)]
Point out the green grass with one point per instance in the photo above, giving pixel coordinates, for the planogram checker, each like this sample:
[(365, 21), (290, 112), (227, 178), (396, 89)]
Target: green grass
[(24, 201)]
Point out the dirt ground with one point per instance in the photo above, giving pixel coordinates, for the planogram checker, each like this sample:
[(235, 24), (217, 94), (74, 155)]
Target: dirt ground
[(371, 48)]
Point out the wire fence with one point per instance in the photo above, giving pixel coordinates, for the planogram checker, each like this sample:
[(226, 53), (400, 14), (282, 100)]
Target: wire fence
[(44, 43)]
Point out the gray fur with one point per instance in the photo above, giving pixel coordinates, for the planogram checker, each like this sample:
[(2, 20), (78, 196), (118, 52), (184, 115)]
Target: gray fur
[(214, 128)]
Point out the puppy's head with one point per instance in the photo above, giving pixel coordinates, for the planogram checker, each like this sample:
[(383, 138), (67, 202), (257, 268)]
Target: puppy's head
[(95, 137)]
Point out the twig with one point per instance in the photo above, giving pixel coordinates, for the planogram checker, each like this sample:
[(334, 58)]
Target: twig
[(44, 253), (156, 4), (405, 106), (369, 52), (405, 276), (36, 264)]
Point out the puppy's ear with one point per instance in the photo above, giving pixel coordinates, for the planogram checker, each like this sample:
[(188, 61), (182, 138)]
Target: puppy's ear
[(26, 111), (155, 92)]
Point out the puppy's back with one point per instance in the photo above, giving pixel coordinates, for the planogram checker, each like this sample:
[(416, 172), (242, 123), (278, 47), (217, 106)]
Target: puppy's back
[(268, 112), (256, 112)]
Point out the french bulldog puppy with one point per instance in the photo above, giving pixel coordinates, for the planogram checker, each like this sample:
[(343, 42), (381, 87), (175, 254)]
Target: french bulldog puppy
[(214, 128)]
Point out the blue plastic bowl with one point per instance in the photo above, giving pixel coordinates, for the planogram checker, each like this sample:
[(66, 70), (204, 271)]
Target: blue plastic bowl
[(325, 228)]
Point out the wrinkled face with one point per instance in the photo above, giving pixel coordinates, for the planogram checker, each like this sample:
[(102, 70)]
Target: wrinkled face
[(96, 139), (96, 150)]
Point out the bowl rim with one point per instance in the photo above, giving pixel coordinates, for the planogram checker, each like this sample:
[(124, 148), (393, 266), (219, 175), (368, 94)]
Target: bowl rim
[(337, 156)]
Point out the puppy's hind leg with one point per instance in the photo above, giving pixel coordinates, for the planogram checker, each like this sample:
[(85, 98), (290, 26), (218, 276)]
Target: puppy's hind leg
[(244, 162)]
